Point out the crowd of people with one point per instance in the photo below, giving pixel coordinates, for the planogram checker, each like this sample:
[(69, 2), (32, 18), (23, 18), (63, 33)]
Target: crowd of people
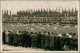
[(46, 40)]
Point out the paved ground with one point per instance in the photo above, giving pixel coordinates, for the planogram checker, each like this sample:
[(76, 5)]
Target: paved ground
[(19, 48)]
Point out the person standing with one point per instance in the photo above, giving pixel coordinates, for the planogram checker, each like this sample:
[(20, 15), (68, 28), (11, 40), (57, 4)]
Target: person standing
[(23, 39), (39, 40), (52, 44), (7, 37), (3, 37), (28, 40), (11, 38), (74, 42), (47, 41), (19, 38), (33, 39), (43, 39), (64, 42), (15, 41)]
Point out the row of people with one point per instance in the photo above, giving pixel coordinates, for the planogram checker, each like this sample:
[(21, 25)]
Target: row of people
[(46, 40)]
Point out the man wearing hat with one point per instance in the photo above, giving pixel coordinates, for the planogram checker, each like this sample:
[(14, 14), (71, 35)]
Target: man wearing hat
[(39, 40)]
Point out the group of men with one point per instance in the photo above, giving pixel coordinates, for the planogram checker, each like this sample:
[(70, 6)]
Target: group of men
[(46, 40)]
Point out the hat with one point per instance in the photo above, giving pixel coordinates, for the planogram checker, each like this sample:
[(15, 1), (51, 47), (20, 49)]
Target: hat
[(60, 35), (70, 36), (67, 34)]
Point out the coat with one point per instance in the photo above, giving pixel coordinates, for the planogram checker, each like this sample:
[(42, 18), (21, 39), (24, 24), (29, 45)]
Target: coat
[(52, 41), (3, 37), (33, 37), (39, 38), (10, 37), (15, 38), (19, 37), (47, 41), (7, 37), (43, 40)]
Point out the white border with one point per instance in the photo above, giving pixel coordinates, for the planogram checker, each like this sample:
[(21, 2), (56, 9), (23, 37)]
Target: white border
[(44, 51)]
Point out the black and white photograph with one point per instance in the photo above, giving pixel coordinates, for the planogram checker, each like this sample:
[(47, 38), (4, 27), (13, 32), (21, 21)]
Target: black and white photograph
[(44, 25)]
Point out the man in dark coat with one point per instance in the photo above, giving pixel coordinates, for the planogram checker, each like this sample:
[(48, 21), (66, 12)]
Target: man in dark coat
[(43, 39), (39, 40), (74, 42), (11, 38), (15, 41), (28, 39), (3, 37), (57, 42), (25, 36), (34, 39), (23, 39), (64, 42)]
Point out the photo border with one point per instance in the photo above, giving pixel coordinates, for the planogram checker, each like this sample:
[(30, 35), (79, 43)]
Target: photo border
[(40, 51)]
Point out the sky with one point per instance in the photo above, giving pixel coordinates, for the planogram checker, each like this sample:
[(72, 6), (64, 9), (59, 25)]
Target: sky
[(15, 6)]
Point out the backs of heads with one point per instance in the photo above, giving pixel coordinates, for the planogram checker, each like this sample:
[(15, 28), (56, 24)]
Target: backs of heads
[(35, 33), (27, 32), (74, 33), (70, 33), (31, 32), (4, 30), (10, 31), (44, 31), (64, 34), (39, 32), (24, 31), (52, 33), (19, 31)]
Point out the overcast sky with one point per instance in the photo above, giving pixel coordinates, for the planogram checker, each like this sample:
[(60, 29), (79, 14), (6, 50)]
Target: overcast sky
[(23, 5)]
